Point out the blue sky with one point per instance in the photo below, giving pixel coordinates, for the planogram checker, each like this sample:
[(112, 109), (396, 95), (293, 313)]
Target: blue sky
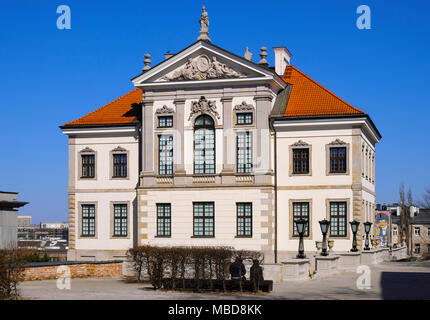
[(51, 76)]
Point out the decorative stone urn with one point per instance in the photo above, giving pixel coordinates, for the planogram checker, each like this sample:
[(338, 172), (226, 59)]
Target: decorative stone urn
[(330, 245), (318, 245)]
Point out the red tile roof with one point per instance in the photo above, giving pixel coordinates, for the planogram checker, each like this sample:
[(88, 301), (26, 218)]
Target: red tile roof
[(114, 112), (309, 98)]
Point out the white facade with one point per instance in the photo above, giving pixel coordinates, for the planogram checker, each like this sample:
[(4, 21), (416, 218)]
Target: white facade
[(205, 80), (321, 187), (103, 191)]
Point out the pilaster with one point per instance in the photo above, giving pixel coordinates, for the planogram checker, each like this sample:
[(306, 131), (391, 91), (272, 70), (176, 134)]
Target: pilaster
[(229, 139), (179, 163)]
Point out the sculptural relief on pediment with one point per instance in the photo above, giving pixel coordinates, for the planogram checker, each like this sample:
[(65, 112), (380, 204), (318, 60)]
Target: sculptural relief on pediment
[(202, 68)]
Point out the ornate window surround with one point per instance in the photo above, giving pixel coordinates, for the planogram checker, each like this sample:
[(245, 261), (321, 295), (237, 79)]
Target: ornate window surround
[(162, 112), (291, 219), (79, 217), (201, 107), (83, 152), (244, 107), (337, 143), (348, 216), (300, 144), (119, 150), (112, 221)]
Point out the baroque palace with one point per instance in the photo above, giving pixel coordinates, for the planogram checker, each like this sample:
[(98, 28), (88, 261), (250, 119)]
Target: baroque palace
[(214, 149)]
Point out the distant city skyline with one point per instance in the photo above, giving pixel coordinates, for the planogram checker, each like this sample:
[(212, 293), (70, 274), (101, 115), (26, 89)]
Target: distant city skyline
[(53, 76)]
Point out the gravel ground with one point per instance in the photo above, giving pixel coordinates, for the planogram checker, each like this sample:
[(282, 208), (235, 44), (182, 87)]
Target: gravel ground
[(390, 280)]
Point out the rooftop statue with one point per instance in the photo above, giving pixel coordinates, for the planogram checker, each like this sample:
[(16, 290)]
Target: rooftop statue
[(204, 25)]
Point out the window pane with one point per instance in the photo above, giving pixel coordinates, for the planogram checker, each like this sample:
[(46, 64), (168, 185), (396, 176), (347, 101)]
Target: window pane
[(120, 165), (338, 160), (300, 161), (301, 211), (244, 118), (163, 219), (244, 152), (244, 219), (204, 219), (204, 145), (88, 220), (88, 166), (165, 161), (165, 121), (338, 218), (120, 220)]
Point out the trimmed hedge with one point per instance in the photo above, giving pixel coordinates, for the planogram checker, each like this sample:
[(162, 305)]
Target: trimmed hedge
[(202, 264)]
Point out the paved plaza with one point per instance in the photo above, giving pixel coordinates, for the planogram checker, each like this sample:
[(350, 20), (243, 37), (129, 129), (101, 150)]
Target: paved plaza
[(389, 280)]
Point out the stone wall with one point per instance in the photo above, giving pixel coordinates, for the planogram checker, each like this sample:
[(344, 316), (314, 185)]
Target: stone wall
[(44, 271)]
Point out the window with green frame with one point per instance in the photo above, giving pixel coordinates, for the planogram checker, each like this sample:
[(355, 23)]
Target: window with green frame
[(301, 211), (338, 219), (244, 219), (120, 220), (244, 152), (204, 219)]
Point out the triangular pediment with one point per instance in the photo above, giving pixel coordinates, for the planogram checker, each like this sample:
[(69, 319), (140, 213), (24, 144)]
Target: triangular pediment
[(202, 61), (203, 67)]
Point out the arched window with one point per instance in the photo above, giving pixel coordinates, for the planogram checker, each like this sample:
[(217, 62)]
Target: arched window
[(204, 145)]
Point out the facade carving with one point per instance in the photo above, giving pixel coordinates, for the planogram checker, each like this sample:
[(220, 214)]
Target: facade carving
[(244, 107), (202, 68), (300, 143), (164, 110), (119, 149), (203, 106), (337, 142), (87, 150)]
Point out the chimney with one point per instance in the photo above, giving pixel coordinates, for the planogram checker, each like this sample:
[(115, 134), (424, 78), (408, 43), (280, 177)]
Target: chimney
[(282, 59)]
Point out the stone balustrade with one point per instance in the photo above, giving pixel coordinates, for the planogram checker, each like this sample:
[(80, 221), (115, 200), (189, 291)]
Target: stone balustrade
[(301, 269), (204, 179)]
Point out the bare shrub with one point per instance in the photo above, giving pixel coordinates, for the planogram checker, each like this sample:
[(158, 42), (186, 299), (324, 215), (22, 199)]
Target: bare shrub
[(12, 261), (200, 264)]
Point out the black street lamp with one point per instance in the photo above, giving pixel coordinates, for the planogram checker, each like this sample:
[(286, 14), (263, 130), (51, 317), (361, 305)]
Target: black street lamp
[(300, 225), (354, 228), (324, 224), (367, 226)]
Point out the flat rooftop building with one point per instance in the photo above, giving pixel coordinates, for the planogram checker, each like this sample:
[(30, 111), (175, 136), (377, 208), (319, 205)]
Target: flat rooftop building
[(9, 218)]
